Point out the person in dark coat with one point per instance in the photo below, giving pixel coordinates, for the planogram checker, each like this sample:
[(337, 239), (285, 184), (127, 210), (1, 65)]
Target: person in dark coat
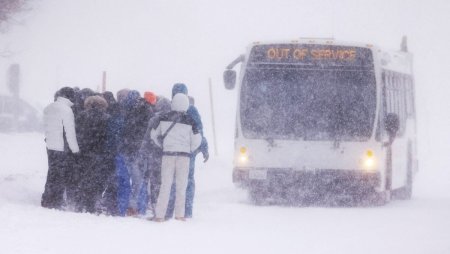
[(190, 191), (92, 131), (61, 143), (115, 136), (150, 155), (137, 115), (144, 162), (80, 97), (110, 194), (73, 177)]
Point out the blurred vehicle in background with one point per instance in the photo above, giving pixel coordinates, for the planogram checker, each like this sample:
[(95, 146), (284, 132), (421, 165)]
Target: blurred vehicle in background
[(18, 115)]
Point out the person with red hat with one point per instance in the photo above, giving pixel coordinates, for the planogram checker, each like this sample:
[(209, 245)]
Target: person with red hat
[(150, 97)]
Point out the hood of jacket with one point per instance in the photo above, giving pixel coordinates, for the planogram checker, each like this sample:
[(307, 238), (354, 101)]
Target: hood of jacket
[(162, 105), (109, 97), (65, 101), (122, 95), (95, 102), (179, 88), (180, 102), (66, 92), (132, 99)]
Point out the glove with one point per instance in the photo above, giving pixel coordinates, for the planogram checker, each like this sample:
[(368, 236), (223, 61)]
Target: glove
[(205, 157)]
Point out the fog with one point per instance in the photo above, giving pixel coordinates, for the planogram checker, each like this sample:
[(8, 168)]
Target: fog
[(150, 45)]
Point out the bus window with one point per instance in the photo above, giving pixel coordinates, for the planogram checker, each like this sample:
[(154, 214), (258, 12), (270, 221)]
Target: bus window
[(409, 96), (308, 104)]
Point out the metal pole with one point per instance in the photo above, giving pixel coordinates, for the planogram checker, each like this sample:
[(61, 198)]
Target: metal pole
[(104, 82), (212, 117)]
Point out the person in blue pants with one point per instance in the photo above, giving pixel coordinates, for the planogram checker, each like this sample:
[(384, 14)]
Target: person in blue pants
[(124, 186), (121, 181), (190, 191)]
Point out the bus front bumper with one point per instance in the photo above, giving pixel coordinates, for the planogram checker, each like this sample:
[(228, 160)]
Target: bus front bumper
[(313, 180)]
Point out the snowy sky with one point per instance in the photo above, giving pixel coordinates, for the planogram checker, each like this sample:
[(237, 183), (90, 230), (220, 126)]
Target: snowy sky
[(149, 45)]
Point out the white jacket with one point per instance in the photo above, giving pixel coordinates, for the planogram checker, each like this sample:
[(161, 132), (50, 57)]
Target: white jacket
[(184, 137), (59, 118)]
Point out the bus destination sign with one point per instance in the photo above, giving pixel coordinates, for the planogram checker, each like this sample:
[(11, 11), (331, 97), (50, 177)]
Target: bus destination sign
[(301, 53), (311, 54)]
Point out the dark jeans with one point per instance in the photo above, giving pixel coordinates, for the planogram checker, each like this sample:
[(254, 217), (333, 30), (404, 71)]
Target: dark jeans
[(152, 181), (59, 164), (123, 185), (110, 196), (93, 181), (73, 178), (190, 190), (154, 168)]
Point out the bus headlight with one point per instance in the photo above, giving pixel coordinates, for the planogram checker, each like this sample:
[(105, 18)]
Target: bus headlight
[(369, 162), (243, 156)]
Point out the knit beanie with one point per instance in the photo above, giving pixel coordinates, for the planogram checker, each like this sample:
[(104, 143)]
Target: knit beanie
[(179, 88), (68, 93), (150, 97)]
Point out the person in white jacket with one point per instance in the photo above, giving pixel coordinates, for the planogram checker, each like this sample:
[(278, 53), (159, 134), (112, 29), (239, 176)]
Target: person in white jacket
[(180, 138), (61, 142)]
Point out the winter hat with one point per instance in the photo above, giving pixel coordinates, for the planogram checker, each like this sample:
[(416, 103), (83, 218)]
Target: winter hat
[(132, 99), (162, 104), (179, 88), (86, 92), (67, 92), (122, 95), (180, 102), (150, 97), (109, 97), (95, 102)]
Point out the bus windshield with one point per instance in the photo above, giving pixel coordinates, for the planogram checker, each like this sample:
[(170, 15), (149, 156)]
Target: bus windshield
[(309, 103)]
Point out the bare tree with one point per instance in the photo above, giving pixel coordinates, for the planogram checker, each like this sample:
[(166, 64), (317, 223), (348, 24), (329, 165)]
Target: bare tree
[(7, 10)]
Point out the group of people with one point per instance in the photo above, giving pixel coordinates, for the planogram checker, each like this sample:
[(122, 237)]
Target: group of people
[(123, 156)]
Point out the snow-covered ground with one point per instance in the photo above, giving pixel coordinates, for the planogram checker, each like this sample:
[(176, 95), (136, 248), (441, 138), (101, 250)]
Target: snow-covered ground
[(225, 221)]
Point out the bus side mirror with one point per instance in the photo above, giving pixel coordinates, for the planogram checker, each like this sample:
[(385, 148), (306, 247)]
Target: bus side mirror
[(391, 124), (229, 78)]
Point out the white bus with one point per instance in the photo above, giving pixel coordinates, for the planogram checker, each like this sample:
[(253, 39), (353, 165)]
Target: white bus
[(318, 117)]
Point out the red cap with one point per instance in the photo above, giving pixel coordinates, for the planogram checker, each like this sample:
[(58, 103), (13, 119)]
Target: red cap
[(150, 97)]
